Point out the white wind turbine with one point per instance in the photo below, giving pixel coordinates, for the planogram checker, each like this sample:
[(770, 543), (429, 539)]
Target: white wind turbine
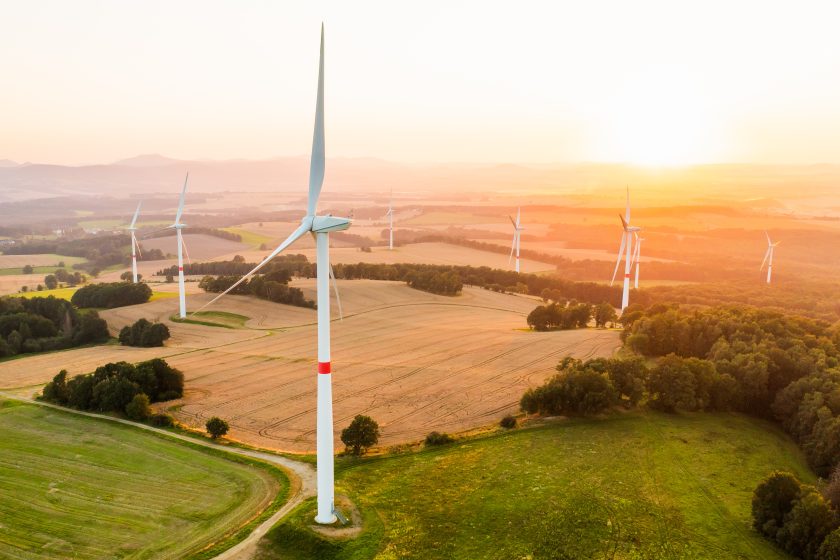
[(320, 227), (626, 241), (768, 256), (178, 226), (517, 228), (135, 246), (636, 257), (390, 215)]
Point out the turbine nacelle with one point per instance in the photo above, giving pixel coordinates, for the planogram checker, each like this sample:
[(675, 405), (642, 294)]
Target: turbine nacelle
[(326, 224)]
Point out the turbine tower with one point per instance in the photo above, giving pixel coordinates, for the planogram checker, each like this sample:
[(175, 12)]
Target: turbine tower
[(320, 227), (178, 226), (517, 228), (135, 246), (768, 256), (390, 215), (626, 241)]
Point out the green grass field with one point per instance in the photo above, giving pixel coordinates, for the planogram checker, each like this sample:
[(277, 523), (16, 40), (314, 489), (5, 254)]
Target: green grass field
[(635, 485), (75, 487), (213, 319)]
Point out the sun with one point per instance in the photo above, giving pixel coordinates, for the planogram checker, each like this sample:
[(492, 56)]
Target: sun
[(659, 121)]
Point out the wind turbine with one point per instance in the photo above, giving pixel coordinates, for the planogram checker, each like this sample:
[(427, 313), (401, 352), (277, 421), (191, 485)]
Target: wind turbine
[(768, 256), (319, 227), (517, 227), (178, 226), (636, 257), (135, 246), (390, 215), (626, 241)]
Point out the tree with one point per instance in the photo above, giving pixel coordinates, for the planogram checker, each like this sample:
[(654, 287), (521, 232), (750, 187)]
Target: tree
[(362, 433), (806, 525), (128, 276), (671, 385), (772, 500), (216, 427), (628, 376), (138, 409), (605, 313), (50, 282), (27, 269), (830, 548), (56, 390)]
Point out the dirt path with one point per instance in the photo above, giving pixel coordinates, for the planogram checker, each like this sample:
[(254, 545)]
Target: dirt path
[(302, 482)]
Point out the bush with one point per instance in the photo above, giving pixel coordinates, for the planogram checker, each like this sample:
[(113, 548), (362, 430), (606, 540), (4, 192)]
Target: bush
[(109, 295), (772, 501), (508, 422), (56, 390), (138, 409), (437, 438), (216, 427), (831, 491), (144, 334), (162, 420), (362, 433)]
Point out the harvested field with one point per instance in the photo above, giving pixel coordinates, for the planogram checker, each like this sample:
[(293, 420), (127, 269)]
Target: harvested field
[(18, 261), (201, 247), (414, 361)]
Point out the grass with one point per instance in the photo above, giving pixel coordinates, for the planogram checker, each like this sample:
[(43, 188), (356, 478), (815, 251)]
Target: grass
[(634, 485), (221, 319), (101, 224), (249, 237), (84, 488), (36, 271)]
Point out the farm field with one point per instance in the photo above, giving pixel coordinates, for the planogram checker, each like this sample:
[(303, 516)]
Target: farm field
[(415, 361), (84, 488), (633, 485), (200, 247), (44, 259)]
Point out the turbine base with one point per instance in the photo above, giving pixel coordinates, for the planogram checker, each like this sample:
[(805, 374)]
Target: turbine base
[(328, 521)]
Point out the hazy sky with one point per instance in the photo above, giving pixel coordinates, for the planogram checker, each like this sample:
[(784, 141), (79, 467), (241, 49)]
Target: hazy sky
[(643, 81)]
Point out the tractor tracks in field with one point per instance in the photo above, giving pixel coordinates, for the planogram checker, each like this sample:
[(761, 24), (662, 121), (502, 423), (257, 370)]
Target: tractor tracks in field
[(302, 477)]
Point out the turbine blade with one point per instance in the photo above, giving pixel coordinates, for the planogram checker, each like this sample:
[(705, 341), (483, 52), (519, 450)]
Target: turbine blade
[(512, 246), (512, 221), (518, 216), (337, 297), (636, 252), (316, 163), (627, 210), (137, 245), (766, 254), (620, 252), (302, 229), (181, 201), (186, 253), (624, 223), (768, 238), (136, 213)]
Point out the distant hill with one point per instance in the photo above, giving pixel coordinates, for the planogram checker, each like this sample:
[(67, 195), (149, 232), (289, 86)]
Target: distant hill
[(146, 160), (8, 163)]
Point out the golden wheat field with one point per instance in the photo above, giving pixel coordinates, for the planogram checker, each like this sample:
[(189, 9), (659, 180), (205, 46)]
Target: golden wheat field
[(414, 361)]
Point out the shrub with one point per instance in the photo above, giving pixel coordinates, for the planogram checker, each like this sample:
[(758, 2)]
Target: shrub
[(579, 388), (162, 420), (56, 390), (362, 433), (772, 501), (138, 409), (437, 438), (216, 427), (508, 422), (671, 385)]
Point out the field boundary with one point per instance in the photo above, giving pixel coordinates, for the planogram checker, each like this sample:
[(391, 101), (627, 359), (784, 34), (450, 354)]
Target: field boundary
[(304, 473)]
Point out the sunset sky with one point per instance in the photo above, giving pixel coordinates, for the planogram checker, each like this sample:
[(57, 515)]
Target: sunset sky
[(646, 82)]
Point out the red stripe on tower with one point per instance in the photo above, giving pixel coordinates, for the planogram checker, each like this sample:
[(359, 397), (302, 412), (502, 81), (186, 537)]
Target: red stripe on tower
[(627, 275), (180, 269), (324, 367)]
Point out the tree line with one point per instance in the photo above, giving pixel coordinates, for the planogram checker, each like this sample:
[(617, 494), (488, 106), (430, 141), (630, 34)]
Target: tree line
[(779, 366), (215, 232), (46, 324)]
